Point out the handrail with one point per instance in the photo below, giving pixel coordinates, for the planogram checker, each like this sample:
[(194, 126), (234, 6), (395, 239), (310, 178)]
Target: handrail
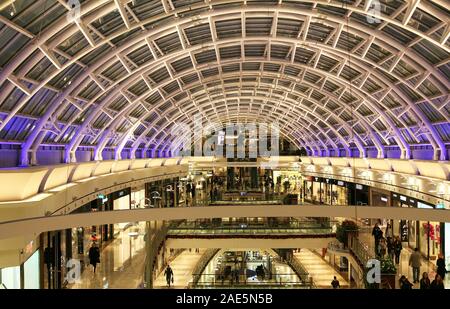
[(151, 251), (202, 263), (275, 280), (52, 223), (299, 269), (360, 250)]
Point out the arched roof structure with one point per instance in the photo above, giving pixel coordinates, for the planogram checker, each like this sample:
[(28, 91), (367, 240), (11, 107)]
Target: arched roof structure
[(333, 74)]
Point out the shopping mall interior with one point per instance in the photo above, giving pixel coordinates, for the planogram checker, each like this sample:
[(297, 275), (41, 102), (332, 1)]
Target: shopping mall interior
[(224, 144)]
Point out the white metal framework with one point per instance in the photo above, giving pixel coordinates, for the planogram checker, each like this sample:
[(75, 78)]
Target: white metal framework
[(124, 72)]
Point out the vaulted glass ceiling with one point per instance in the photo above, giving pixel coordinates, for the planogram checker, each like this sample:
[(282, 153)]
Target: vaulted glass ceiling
[(124, 72)]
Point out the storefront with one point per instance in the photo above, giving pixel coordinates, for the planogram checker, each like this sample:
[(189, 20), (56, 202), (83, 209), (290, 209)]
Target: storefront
[(313, 190), (325, 191), (407, 229), (379, 198), (121, 201), (31, 272), (287, 181), (138, 197), (10, 277), (25, 276), (165, 193), (430, 235), (358, 194)]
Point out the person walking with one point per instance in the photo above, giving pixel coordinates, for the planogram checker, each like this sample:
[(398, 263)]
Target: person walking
[(440, 263), (397, 249), (425, 282), (169, 275), (388, 232), (377, 234), (405, 284), (415, 261), (335, 283), (437, 283), (94, 256), (391, 248)]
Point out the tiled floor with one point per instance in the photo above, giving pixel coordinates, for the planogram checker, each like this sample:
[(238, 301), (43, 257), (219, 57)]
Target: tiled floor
[(182, 267), (321, 272)]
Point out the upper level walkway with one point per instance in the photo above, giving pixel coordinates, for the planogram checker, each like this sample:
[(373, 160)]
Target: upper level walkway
[(60, 189), (34, 226), (293, 234)]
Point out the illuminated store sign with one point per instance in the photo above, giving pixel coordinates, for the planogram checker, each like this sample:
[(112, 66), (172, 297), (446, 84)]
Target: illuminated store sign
[(422, 205)]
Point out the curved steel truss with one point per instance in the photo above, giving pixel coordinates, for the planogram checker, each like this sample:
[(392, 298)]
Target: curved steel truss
[(122, 74)]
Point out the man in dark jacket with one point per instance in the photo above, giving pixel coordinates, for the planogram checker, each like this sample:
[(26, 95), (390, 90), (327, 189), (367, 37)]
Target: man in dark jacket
[(440, 263), (377, 234), (94, 256), (335, 283), (169, 275), (397, 249)]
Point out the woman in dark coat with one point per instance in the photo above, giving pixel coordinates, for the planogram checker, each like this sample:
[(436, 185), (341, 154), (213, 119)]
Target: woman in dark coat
[(94, 256), (405, 284), (437, 283), (440, 263), (425, 282)]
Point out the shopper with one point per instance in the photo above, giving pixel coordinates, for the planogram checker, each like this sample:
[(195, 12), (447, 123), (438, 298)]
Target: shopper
[(397, 249), (437, 283), (391, 248), (405, 284), (425, 282), (415, 262), (335, 283), (169, 275), (94, 256), (377, 234), (440, 263), (388, 233), (383, 247)]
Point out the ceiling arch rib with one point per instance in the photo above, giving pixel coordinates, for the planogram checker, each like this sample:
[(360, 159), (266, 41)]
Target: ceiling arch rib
[(279, 116), (256, 59), (222, 120), (386, 70)]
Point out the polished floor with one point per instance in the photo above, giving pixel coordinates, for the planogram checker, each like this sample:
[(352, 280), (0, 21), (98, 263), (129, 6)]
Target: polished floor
[(121, 263), (321, 272), (182, 267)]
